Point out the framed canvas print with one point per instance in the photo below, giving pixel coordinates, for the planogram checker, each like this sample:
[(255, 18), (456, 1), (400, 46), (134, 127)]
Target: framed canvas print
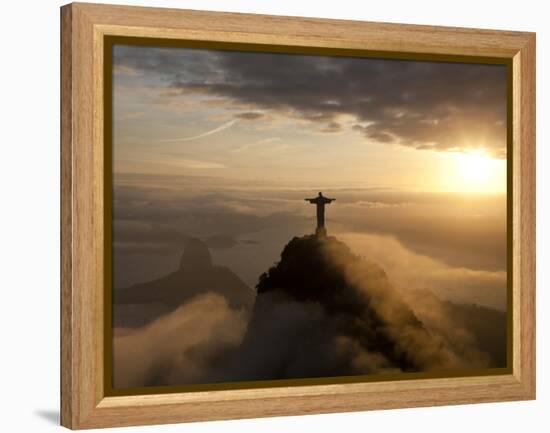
[(267, 216)]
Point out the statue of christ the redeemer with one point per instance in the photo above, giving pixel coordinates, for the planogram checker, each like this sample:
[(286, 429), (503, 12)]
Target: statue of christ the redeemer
[(320, 201)]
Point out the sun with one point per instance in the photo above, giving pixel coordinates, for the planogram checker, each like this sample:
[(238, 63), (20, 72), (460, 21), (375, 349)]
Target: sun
[(474, 167), (476, 171)]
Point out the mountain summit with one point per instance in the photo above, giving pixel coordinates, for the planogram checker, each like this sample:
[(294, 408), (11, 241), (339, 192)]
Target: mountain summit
[(323, 270)]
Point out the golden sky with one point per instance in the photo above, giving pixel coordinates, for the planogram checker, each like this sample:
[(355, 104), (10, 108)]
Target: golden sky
[(310, 121), (225, 146)]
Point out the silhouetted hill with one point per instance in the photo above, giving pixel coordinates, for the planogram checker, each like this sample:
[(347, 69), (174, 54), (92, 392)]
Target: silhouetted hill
[(306, 272), (356, 297), (322, 311), (141, 303)]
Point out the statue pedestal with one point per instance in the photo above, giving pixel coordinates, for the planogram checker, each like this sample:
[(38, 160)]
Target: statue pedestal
[(321, 232)]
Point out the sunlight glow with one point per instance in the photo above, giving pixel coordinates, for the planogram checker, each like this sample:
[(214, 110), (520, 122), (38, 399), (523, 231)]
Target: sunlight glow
[(476, 171)]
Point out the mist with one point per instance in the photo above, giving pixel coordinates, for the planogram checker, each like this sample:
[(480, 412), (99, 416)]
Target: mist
[(345, 319)]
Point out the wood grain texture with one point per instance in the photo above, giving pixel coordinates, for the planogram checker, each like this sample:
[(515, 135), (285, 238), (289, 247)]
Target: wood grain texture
[(524, 224), (67, 388), (83, 404)]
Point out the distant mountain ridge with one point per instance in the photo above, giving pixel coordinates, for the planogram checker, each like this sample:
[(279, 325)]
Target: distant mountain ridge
[(196, 276)]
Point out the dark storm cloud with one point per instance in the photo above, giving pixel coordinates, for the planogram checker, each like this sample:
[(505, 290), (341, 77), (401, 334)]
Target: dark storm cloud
[(425, 105)]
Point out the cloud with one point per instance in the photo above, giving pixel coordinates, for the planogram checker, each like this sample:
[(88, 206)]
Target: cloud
[(249, 115), (221, 241), (151, 355), (256, 143), (407, 340), (326, 313), (476, 333), (410, 271), (457, 240), (131, 115), (154, 216), (304, 339), (197, 163), (423, 105), (332, 127), (345, 318), (125, 70), (220, 128), (461, 232)]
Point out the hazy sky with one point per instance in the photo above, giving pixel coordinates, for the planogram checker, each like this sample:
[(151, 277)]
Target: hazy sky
[(224, 146)]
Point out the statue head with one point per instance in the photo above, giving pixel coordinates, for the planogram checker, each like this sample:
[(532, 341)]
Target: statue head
[(320, 194)]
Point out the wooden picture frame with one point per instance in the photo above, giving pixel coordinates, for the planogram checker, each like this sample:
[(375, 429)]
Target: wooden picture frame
[(84, 27)]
